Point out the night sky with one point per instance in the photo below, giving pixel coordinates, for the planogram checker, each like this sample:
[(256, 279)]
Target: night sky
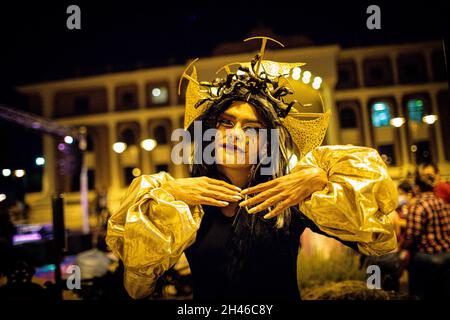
[(35, 44)]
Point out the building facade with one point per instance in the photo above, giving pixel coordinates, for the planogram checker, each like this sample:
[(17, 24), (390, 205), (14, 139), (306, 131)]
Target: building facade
[(370, 91)]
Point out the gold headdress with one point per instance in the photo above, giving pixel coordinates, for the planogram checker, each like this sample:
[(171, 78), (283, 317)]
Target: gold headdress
[(266, 77)]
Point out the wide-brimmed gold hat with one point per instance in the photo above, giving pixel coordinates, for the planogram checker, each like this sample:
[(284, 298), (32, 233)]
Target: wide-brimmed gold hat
[(307, 129)]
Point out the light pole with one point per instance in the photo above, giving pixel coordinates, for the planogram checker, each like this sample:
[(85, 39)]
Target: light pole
[(84, 186)]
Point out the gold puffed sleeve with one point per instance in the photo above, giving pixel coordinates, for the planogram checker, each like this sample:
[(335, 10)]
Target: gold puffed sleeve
[(149, 232), (355, 204)]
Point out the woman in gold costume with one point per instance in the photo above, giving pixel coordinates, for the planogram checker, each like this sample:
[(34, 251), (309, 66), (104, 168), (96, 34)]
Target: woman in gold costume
[(239, 222)]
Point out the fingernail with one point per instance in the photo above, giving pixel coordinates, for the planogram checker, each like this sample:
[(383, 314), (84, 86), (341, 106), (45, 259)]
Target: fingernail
[(244, 191), (237, 197), (252, 210), (243, 203), (267, 216), (224, 203)]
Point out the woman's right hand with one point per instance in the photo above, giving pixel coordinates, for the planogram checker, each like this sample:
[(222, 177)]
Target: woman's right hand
[(203, 190)]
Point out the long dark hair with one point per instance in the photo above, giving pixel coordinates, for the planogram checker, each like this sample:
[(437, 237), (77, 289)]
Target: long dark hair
[(248, 229)]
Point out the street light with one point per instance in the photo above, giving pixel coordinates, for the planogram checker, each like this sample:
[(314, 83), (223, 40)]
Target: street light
[(119, 147), (148, 144), (430, 119), (19, 173), (156, 92), (397, 122), (40, 161), (68, 139)]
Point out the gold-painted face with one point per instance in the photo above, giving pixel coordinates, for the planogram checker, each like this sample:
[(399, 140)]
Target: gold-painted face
[(238, 142)]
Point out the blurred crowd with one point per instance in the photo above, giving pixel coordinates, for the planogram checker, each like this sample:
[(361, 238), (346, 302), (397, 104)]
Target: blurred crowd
[(422, 225)]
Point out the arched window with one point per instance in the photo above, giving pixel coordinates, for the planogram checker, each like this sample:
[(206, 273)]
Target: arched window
[(81, 105), (387, 153), (89, 143), (162, 167), (378, 71), (412, 68), (128, 137), (160, 134), (415, 110), (384, 135), (381, 114), (422, 152), (347, 118), (439, 67), (126, 97), (347, 74), (420, 135), (128, 100)]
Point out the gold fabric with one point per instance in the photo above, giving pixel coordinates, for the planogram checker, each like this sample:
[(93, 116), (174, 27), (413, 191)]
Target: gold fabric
[(359, 196), (150, 230)]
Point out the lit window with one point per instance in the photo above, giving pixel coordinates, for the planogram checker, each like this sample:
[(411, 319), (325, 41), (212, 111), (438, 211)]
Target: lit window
[(381, 114), (159, 95), (415, 110)]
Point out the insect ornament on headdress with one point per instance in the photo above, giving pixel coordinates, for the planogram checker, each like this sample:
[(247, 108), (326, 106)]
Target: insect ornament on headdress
[(266, 78)]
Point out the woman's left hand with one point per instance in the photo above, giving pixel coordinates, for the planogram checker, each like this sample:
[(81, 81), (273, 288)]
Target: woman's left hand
[(285, 191)]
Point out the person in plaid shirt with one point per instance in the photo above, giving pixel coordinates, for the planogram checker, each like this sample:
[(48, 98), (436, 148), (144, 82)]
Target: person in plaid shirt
[(427, 236)]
